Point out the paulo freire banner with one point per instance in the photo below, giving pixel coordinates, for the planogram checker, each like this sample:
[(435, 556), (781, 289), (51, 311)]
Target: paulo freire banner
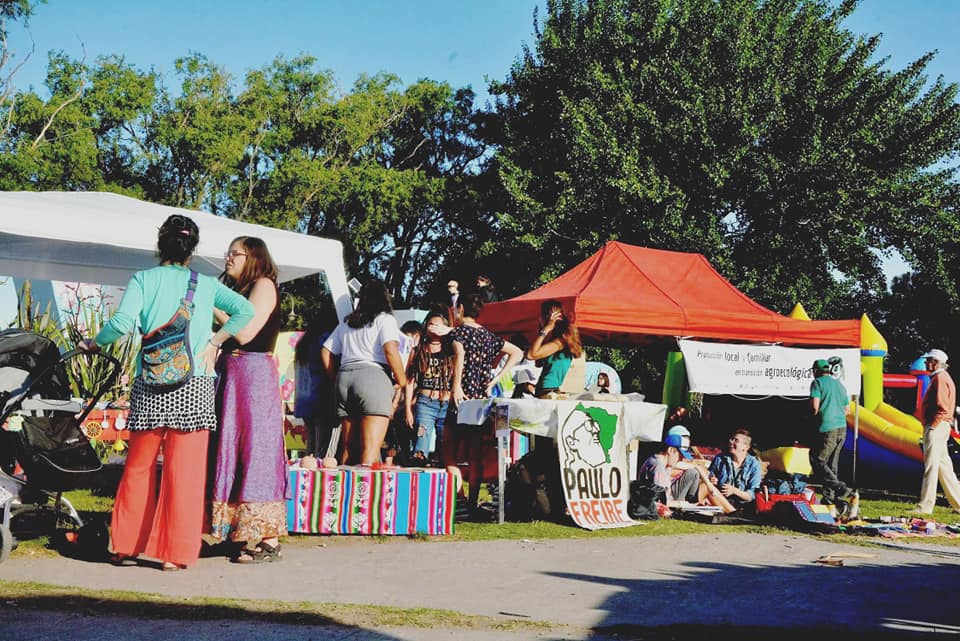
[(593, 464), (763, 370)]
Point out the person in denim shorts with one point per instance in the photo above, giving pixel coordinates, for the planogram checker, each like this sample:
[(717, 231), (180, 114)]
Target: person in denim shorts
[(429, 381), (361, 355)]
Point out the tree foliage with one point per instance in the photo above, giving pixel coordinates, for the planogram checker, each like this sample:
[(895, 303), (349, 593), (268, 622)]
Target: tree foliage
[(762, 134)]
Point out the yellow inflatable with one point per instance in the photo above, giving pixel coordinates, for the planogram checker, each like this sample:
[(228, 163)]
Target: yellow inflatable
[(890, 428), (792, 460)]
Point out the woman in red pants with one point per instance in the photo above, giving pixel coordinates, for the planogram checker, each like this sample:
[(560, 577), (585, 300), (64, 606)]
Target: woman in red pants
[(167, 526)]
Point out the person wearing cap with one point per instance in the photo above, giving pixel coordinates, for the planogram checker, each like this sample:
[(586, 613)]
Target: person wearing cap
[(671, 469), (681, 431), (936, 414), (736, 472), (830, 404)]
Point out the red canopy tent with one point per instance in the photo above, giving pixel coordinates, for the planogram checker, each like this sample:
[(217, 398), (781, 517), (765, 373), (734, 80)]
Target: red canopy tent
[(626, 294)]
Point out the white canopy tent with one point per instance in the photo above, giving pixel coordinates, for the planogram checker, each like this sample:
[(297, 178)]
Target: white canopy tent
[(102, 238)]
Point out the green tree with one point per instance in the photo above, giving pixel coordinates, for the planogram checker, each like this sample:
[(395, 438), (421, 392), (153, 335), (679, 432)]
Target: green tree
[(196, 138), (761, 134), (383, 168)]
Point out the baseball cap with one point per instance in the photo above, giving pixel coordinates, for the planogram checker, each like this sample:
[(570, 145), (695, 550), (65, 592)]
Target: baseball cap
[(678, 429), (676, 440), (938, 354), (821, 365), (683, 432)]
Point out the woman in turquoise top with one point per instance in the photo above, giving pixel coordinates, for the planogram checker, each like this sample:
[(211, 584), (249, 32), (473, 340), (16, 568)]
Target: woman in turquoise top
[(167, 525), (556, 345)]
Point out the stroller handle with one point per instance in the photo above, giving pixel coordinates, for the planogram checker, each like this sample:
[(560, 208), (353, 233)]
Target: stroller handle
[(110, 379)]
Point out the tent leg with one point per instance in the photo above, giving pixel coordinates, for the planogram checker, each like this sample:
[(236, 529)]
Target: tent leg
[(856, 437)]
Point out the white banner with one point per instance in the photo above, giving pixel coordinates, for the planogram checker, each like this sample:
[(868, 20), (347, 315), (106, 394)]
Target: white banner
[(764, 370), (593, 464)]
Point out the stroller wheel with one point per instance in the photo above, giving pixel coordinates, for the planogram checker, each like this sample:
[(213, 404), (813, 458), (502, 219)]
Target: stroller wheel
[(6, 543)]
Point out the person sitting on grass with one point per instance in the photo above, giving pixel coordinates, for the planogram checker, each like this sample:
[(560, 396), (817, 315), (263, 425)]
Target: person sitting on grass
[(671, 468), (736, 472)]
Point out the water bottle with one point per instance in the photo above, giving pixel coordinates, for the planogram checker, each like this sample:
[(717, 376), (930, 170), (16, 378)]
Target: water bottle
[(855, 505)]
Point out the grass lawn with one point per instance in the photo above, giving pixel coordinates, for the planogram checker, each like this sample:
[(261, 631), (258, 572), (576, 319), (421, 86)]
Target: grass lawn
[(35, 596), (92, 507)]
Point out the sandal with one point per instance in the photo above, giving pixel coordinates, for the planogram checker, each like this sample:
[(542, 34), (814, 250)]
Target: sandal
[(418, 460), (270, 553), (262, 553), (167, 566), (248, 555)]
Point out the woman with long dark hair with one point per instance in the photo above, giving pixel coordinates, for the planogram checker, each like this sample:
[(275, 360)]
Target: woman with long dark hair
[(477, 352), (556, 345), (429, 385), (249, 485), (167, 525), (360, 356)]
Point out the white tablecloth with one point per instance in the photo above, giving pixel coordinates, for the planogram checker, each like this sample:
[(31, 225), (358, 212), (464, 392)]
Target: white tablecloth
[(642, 421)]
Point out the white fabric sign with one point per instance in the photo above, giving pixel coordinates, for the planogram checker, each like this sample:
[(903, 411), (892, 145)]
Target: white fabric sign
[(763, 370), (593, 464), (540, 417)]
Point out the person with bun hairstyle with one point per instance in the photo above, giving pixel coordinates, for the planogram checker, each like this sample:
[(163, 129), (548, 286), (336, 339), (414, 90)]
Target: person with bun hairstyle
[(167, 525)]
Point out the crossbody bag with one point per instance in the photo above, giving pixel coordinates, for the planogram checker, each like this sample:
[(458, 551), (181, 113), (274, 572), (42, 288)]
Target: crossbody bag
[(165, 357)]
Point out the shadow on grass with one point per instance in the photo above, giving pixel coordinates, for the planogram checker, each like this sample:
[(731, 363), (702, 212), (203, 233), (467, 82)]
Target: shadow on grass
[(90, 616)]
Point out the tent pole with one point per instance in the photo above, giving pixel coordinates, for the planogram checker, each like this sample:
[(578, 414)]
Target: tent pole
[(856, 436)]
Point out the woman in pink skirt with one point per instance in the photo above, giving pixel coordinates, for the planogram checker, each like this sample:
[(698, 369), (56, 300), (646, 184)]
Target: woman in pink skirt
[(249, 472)]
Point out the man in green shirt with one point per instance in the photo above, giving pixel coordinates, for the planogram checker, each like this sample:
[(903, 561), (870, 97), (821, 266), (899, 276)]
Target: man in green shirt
[(830, 404)]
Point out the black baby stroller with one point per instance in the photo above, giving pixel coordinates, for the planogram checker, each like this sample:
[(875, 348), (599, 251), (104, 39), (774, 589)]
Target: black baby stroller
[(41, 429)]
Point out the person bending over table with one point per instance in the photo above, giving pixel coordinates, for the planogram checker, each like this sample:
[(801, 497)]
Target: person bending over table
[(360, 356)]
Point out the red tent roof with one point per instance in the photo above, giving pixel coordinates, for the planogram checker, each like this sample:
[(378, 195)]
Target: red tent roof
[(624, 293)]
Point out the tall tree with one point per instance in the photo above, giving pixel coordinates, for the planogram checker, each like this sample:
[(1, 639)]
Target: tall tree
[(760, 133)]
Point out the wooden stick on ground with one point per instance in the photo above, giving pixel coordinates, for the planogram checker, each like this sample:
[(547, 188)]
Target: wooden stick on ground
[(715, 496)]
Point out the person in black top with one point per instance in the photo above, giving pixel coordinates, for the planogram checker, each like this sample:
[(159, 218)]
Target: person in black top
[(249, 473)]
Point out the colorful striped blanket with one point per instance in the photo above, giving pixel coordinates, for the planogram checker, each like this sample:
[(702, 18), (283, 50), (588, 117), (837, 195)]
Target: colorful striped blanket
[(356, 500)]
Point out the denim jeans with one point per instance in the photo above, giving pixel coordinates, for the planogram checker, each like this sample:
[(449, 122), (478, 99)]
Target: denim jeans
[(430, 414)]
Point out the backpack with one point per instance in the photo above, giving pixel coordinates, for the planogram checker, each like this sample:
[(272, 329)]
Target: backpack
[(166, 359), (643, 500), (533, 490)]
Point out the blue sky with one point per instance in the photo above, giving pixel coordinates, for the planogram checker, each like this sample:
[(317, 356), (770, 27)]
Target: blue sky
[(463, 42), (456, 40)]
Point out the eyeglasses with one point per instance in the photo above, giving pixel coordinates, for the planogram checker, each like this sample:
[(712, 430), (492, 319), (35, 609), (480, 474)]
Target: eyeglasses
[(233, 253)]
